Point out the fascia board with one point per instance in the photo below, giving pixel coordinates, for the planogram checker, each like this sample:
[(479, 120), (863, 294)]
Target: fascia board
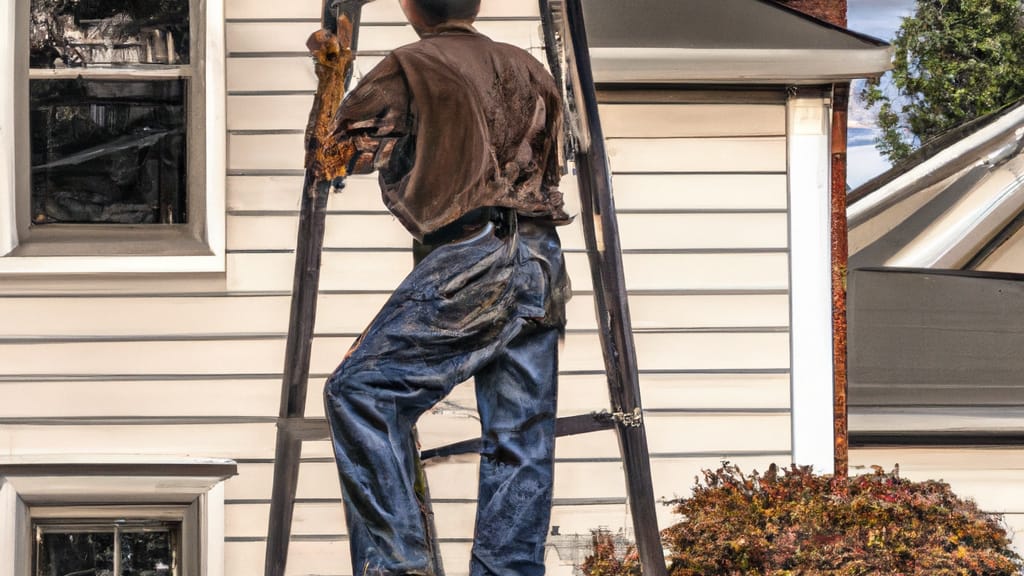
[(737, 66)]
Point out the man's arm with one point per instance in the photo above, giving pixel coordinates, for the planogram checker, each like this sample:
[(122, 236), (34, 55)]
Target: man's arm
[(328, 158), (362, 131)]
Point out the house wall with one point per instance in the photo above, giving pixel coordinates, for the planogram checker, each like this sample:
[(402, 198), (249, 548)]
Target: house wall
[(190, 364), (701, 191)]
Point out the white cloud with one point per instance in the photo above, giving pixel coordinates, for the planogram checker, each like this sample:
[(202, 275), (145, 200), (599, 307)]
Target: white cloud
[(864, 163), (860, 116), (879, 18)]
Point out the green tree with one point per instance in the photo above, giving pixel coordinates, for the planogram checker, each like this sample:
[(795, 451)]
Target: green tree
[(955, 60)]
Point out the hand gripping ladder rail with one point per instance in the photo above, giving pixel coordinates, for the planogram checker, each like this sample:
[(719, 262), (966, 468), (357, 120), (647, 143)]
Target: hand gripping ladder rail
[(569, 59)]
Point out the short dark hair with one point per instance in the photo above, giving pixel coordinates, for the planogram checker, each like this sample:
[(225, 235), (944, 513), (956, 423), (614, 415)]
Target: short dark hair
[(444, 10)]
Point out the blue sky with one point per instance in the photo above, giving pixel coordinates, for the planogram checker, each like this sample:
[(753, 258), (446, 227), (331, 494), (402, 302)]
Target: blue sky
[(881, 19)]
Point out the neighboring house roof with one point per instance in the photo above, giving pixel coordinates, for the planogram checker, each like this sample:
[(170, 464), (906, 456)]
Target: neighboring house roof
[(934, 333), (951, 204), (724, 41)]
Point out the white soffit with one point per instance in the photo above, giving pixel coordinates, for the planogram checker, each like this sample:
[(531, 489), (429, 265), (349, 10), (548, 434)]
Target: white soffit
[(724, 41)]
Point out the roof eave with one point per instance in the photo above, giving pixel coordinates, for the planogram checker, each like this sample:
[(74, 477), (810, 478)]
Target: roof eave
[(737, 66)]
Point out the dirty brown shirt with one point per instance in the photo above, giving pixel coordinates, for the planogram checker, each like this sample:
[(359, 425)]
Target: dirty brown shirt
[(456, 122)]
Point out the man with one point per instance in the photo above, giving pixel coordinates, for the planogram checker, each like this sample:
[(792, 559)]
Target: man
[(464, 132)]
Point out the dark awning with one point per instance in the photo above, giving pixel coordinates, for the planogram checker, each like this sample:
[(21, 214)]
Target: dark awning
[(935, 354)]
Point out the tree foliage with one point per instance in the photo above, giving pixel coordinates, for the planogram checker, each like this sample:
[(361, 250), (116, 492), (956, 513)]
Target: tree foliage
[(790, 522), (955, 60)]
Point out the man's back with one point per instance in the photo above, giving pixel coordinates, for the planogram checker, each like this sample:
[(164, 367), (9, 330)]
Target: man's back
[(481, 121)]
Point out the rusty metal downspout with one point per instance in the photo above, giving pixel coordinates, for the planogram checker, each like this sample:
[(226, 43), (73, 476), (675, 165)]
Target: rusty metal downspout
[(840, 259)]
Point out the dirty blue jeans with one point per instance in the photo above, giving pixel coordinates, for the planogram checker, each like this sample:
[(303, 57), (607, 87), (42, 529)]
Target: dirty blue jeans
[(490, 306)]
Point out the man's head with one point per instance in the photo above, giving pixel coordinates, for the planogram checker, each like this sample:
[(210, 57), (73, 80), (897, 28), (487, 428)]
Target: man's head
[(427, 14)]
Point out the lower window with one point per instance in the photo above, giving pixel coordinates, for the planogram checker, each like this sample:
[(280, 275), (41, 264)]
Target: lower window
[(131, 516), (110, 547)]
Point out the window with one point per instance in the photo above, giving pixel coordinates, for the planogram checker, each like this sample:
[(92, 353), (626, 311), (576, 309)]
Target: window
[(114, 542), (112, 154), (112, 518)]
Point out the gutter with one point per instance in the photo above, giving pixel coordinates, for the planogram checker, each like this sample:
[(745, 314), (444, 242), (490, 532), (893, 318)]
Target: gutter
[(840, 270)]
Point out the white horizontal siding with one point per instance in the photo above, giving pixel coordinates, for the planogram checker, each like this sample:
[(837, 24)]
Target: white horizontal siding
[(263, 36), (259, 397), (155, 316), (454, 521), (258, 152), (692, 120), (723, 165), (371, 270), (284, 193), (324, 557), (239, 356), (574, 479), (633, 192), (261, 152), (731, 154), (727, 191), (668, 434), (245, 440), (106, 398), (637, 232), (269, 112), (716, 434), (375, 12), (278, 73)]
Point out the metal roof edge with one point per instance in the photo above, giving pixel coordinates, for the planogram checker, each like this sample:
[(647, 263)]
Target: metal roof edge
[(936, 160), (737, 66), (953, 239)]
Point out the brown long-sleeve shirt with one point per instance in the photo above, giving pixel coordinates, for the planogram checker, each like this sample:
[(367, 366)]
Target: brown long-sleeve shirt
[(456, 122)]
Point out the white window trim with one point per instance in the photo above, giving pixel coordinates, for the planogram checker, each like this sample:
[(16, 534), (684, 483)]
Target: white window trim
[(215, 135), (111, 480), (810, 281)]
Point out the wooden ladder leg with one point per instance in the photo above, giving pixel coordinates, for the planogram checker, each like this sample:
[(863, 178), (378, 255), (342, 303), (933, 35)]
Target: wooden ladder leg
[(600, 228)]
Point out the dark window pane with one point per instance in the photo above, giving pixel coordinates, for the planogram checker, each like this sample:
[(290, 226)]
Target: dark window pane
[(76, 33), (76, 554), (108, 151), (147, 553)]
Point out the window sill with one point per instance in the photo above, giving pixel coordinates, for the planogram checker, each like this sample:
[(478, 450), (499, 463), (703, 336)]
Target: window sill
[(85, 249)]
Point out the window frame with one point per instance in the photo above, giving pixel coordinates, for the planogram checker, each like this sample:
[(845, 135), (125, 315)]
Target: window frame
[(198, 246), (189, 490)]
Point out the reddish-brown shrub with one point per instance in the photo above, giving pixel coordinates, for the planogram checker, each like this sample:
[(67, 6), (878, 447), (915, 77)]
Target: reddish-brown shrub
[(796, 522)]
